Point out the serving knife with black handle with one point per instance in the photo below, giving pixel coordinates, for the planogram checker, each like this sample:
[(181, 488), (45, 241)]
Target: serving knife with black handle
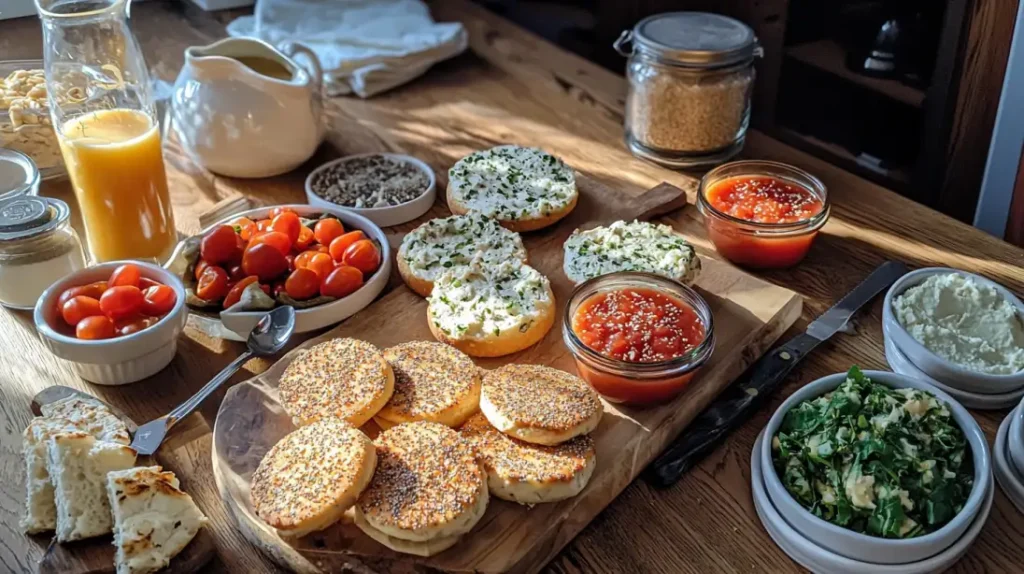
[(741, 399)]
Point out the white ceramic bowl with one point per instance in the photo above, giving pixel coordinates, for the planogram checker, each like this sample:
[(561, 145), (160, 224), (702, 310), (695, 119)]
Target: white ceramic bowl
[(933, 365), (855, 545), (237, 325), (1006, 470), (119, 360), (382, 216), (1015, 437)]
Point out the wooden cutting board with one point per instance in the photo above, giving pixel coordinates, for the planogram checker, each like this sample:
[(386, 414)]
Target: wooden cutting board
[(749, 315)]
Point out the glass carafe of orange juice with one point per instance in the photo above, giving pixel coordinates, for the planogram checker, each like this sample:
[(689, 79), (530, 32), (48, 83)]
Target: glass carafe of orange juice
[(105, 117)]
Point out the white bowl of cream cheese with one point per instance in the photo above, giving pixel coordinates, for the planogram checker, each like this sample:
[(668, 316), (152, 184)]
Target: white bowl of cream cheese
[(959, 328)]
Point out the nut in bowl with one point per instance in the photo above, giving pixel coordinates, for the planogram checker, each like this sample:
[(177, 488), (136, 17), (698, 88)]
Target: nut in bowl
[(122, 333), (327, 263)]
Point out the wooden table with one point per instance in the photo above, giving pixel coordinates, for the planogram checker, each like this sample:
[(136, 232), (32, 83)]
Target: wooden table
[(514, 87)]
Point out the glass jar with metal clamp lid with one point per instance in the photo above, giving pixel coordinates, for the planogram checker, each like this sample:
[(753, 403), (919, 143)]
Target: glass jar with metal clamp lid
[(691, 76)]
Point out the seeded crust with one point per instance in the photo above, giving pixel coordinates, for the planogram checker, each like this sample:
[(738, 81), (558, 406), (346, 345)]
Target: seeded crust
[(310, 478), (529, 473), (428, 484), (538, 404), (343, 378), (433, 382)]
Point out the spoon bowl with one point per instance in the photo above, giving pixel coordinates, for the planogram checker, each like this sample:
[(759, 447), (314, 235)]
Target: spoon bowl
[(272, 332)]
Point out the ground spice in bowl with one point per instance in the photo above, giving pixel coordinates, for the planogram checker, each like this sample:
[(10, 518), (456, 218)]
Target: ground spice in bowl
[(369, 181)]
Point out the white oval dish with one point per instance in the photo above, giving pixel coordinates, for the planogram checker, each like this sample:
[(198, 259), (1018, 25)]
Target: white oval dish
[(899, 363), (820, 560), (236, 325), (932, 364), (859, 546), (1015, 440), (382, 216), (1006, 470), (120, 360)]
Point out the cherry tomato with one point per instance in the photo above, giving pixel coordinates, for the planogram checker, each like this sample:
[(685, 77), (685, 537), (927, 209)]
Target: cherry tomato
[(289, 224), (275, 239), (244, 226), (119, 302), (219, 245), (305, 239), (240, 245), (327, 229), (302, 284), (235, 273), (235, 294), (321, 264), (146, 283), (95, 327), (78, 308), (363, 255), (279, 210), (158, 301), (265, 288), (303, 259), (134, 324), (342, 242), (201, 266), (264, 261), (276, 288), (213, 285), (94, 290), (341, 282), (127, 274), (262, 225)]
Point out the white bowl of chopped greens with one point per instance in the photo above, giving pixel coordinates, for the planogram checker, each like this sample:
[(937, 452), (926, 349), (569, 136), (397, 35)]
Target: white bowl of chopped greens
[(876, 466)]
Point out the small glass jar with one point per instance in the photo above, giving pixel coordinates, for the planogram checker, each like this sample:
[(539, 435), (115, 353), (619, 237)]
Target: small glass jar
[(634, 382), (691, 76), (761, 245), (38, 246)]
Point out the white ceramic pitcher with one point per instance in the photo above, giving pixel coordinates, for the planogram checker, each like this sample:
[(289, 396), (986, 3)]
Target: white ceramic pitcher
[(240, 123)]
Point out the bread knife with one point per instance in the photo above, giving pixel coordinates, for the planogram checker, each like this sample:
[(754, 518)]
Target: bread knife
[(742, 398)]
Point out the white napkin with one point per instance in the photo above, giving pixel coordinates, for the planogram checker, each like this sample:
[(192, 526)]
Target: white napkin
[(364, 46)]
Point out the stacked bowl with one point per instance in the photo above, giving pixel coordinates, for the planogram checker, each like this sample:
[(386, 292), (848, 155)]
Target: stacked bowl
[(907, 356), (823, 546), (1008, 456)]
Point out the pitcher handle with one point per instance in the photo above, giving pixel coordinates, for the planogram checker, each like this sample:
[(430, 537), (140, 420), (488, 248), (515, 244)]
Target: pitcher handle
[(290, 49)]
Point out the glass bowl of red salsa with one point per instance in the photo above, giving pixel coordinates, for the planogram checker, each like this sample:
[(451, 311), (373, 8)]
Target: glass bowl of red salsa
[(637, 338), (762, 214)]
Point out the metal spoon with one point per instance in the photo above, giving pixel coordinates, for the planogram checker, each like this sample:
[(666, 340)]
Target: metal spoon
[(268, 337)]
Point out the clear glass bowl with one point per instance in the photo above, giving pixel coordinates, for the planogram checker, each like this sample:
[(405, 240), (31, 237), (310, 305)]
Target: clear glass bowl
[(37, 140)]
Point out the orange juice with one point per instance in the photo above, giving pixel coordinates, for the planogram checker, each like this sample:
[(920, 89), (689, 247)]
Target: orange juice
[(117, 169)]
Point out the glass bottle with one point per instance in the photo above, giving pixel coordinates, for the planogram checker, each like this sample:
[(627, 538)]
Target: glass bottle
[(106, 122)]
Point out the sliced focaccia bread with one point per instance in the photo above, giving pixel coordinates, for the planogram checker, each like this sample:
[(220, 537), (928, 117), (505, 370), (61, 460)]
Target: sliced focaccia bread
[(636, 246), (78, 465), (491, 310), (153, 519), (523, 188), (443, 243)]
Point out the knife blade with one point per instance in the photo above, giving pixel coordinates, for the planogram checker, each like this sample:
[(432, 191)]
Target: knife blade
[(742, 398)]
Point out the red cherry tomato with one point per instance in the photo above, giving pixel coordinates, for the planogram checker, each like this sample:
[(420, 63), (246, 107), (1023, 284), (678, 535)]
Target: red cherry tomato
[(303, 259), (287, 223), (321, 264), (276, 288), (240, 245), (94, 290), (327, 229), (363, 255), (264, 261), (201, 266), (213, 284), (235, 273), (95, 327), (235, 294), (279, 210), (302, 284), (126, 274), (158, 301), (290, 258), (342, 242), (219, 245), (120, 302), (262, 226), (341, 282), (305, 239), (275, 239), (134, 324), (244, 226), (78, 308), (146, 283)]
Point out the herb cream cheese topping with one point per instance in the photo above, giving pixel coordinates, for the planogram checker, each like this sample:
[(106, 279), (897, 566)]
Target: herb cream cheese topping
[(441, 244), (510, 183), (636, 246)]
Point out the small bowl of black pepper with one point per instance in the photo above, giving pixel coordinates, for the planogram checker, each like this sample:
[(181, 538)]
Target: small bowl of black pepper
[(386, 188)]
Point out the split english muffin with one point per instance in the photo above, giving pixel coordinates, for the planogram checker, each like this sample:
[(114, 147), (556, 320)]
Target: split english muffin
[(313, 475), (523, 188), (538, 404), (636, 246), (428, 489), (530, 473), (433, 382), (343, 378)]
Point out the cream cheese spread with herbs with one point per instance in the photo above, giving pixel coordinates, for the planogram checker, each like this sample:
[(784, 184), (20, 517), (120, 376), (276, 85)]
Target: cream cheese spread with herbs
[(636, 246), (483, 300), (965, 322), (511, 183), (880, 461), (441, 244)]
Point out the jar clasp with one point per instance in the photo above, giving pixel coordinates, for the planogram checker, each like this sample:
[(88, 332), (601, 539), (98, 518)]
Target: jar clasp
[(620, 44)]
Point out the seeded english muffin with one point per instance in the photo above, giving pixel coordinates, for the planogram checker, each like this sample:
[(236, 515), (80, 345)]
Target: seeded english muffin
[(530, 473), (433, 382), (313, 475), (427, 491), (343, 378), (523, 188), (538, 404), (636, 246), (443, 243)]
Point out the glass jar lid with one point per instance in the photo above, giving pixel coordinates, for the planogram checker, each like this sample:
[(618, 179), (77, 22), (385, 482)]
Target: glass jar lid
[(18, 174), (695, 39), (25, 217)]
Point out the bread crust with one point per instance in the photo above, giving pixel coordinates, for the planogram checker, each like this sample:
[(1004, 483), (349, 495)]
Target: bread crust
[(518, 225), (420, 286), (433, 382), (506, 342)]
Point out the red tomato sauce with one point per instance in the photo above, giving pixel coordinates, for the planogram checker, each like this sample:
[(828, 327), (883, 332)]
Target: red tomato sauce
[(764, 199)]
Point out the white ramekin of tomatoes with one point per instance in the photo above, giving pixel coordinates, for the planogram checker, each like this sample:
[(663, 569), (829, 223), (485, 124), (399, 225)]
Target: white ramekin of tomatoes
[(326, 263), (116, 322)]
